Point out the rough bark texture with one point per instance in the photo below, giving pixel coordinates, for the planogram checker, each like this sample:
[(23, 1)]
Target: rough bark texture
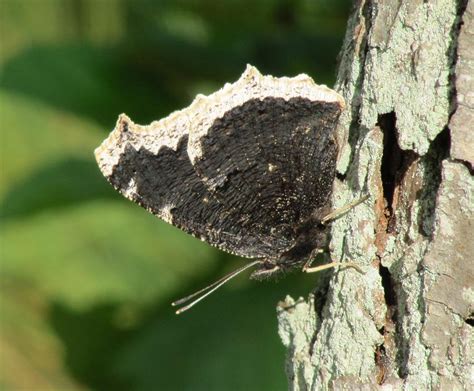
[(407, 74)]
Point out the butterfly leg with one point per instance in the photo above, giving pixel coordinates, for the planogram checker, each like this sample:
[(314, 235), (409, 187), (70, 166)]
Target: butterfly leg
[(340, 211), (315, 269), (308, 269), (329, 217)]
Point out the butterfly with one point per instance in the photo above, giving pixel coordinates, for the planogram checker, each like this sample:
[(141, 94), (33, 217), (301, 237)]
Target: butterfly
[(248, 169)]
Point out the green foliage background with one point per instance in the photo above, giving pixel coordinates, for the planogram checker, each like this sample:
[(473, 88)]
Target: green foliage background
[(86, 276)]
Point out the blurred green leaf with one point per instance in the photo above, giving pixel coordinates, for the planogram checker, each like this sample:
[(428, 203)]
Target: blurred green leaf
[(91, 82), (231, 344), (228, 342), (102, 252), (33, 135), (58, 21), (92, 339), (30, 349), (66, 182)]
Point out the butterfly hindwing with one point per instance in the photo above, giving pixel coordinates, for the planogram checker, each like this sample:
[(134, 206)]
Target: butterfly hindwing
[(239, 169)]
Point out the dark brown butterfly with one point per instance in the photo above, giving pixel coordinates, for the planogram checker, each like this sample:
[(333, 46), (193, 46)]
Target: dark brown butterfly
[(248, 169)]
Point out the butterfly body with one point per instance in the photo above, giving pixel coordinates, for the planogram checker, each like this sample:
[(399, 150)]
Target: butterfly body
[(312, 237)]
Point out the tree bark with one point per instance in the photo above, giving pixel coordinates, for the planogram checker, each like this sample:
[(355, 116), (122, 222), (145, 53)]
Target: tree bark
[(407, 75)]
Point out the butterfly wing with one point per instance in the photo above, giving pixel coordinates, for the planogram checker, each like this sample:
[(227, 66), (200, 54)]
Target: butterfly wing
[(239, 169)]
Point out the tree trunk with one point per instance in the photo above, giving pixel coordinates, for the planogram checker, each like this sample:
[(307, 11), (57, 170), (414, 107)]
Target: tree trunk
[(407, 74)]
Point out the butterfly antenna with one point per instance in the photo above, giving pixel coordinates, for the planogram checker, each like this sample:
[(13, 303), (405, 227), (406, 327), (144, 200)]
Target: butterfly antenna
[(203, 293)]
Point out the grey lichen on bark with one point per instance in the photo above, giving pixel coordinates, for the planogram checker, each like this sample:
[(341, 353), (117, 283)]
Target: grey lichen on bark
[(406, 73)]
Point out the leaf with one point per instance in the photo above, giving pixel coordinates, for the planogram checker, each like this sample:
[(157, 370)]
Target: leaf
[(34, 135), (87, 81), (67, 182), (228, 342), (102, 252), (33, 351)]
